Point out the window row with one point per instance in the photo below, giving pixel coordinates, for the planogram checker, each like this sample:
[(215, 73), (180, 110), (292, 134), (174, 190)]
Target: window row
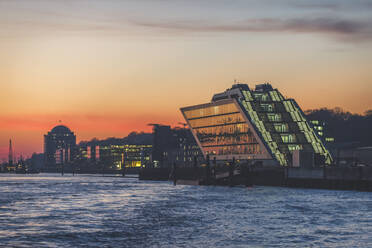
[(288, 138), (274, 117), (281, 127), (216, 120), (223, 135), (211, 110), (232, 150)]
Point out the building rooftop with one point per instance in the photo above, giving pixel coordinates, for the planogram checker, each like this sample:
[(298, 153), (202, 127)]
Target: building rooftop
[(61, 129)]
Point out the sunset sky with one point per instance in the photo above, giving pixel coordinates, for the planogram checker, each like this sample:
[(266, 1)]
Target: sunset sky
[(109, 67)]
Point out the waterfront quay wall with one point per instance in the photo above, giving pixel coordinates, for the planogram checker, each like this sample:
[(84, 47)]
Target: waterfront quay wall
[(155, 174), (69, 170), (342, 178)]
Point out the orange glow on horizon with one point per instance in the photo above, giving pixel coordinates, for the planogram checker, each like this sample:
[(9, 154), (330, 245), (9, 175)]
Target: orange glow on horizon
[(27, 131), (108, 68)]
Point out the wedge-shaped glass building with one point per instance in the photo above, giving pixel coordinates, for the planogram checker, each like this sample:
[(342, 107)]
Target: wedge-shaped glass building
[(257, 125)]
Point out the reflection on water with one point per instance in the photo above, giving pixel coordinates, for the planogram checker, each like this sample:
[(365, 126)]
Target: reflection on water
[(48, 210)]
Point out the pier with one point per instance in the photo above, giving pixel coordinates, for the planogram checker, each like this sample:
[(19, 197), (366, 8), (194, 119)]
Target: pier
[(338, 178)]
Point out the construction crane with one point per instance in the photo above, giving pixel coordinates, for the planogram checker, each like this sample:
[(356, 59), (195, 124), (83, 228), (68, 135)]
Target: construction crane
[(10, 155)]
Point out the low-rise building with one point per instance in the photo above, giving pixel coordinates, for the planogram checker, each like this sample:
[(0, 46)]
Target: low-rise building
[(174, 145)]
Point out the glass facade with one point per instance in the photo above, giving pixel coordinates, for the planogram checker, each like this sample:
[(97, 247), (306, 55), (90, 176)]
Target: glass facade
[(230, 134), (222, 130), (262, 122), (217, 120), (211, 110)]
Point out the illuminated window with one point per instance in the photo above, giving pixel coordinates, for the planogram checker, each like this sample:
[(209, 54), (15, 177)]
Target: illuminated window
[(288, 138), (294, 147), (216, 120), (281, 127), (267, 107), (210, 111), (274, 117)]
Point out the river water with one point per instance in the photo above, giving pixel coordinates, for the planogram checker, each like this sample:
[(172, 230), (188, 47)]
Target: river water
[(48, 210)]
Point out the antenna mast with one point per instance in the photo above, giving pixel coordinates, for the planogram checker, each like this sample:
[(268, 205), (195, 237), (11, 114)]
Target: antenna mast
[(10, 158)]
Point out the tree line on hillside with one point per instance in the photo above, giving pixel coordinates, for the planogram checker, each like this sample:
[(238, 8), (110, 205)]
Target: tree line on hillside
[(341, 125), (134, 138), (345, 126)]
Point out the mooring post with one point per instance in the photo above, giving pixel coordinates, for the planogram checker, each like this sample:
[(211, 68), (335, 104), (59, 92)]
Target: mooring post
[(231, 172), (174, 173), (214, 168), (247, 175), (123, 171), (195, 167), (338, 157), (207, 171)]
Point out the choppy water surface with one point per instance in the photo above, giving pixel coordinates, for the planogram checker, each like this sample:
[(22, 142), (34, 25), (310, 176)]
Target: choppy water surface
[(48, 210)]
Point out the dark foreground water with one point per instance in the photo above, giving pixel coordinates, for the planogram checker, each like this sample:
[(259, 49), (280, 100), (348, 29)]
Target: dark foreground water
[(48, 210)]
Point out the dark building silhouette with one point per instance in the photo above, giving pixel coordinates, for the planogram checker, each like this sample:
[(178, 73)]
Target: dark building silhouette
[(174, 145), (37, 161), (162, 141), (59, 146)]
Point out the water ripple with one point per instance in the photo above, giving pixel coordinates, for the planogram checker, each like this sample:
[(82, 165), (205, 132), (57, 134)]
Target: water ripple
[(48, 210)]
